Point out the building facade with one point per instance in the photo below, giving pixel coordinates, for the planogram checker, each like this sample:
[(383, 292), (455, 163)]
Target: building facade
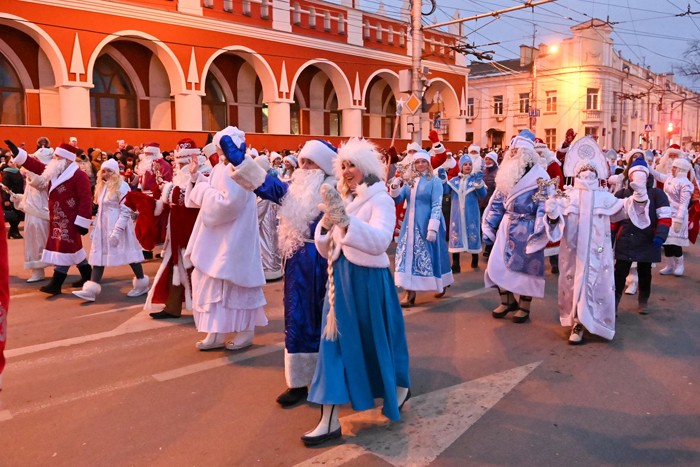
[(282, 70), (584, 84)]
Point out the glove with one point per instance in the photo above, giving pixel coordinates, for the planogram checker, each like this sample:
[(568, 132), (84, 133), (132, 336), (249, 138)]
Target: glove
[(677, 224), (552, 208), (114, 240), (442, 174), (432, 236), (335, 207), (396, 183), (479, 179), (233, 153), (82, 230), (657, 241), (12, 147)]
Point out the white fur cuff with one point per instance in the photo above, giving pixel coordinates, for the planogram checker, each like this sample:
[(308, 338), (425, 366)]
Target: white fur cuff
[(299, 368), (20, 158), (434, 225), (80, 221), (249, 175)]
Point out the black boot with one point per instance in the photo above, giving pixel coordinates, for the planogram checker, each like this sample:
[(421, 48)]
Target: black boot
[(456, 268), (54, 287), (293, 396), (85, 273), (475, 261)]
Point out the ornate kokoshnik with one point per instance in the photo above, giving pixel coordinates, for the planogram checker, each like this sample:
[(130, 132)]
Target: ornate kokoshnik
[(408, 173), (545, 187)]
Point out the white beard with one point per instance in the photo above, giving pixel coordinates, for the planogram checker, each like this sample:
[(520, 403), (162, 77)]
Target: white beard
[(299, 208), (665, 164), (55, 168), (181, 176), (509, 173)]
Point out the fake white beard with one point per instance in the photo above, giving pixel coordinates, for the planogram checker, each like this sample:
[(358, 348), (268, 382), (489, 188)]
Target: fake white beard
[(181, 175), (299, 209), (509, 173), (55, 168)]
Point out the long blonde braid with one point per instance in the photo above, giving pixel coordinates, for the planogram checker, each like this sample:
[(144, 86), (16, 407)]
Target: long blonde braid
[(330, 331)]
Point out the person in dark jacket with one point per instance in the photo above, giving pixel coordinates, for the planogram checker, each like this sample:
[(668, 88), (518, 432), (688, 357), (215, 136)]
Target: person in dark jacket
[(489, 170), (640, 245), (14, 181)]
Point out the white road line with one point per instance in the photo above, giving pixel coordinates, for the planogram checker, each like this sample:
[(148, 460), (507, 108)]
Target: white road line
[(115, 310), (5, 415), (24, 295), (447, 299), (431, 423), (219, 362)]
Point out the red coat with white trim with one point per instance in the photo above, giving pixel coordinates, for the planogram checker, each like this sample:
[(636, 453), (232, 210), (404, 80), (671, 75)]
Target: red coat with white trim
[(70, 207)]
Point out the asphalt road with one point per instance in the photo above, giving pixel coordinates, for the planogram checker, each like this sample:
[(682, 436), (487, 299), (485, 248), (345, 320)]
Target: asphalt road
[(102, 384)]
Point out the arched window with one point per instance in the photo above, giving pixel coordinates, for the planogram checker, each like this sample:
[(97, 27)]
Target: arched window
[(214, 108), (113, 101), (11, 95)]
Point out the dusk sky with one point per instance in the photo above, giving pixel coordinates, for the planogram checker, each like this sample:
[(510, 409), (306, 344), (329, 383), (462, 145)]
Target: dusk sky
[(647, 31)]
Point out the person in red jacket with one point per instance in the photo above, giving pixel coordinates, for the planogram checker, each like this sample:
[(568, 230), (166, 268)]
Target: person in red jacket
[(70, 212), (553, 167)]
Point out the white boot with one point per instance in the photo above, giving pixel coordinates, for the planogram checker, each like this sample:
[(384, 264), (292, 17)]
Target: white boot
[(214, 340), (89, 292), (631, 282), (140, 287), (680, 267), (670, 266), (242, 340), (328, 427), (37, 275)]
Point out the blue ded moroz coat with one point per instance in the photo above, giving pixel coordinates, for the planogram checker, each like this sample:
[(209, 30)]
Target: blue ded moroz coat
[(465, 216), (420, 264)]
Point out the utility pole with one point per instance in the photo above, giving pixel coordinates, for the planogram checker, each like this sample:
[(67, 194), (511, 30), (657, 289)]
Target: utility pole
[(417, 78)]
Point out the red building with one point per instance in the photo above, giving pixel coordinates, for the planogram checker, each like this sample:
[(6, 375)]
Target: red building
[(281, 70)]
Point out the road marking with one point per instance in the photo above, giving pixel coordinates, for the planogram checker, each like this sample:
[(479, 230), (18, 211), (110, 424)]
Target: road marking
[(115, 310), (23, 295), (5, 415), (219, 362), (445, 300), (137, 323), (431, 423)]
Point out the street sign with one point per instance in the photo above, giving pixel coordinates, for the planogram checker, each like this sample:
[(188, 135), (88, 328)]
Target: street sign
[(648, 127), (534, 113), (413, 103)]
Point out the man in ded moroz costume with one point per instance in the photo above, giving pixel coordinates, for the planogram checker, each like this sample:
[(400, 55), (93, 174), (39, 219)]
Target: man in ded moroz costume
[(70, 212), (514, 224), (304, 268), (171, 286), (224, 248), (582, 219)]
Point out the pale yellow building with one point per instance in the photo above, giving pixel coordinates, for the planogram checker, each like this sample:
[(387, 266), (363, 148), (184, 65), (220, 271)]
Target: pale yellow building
[(581, 83)]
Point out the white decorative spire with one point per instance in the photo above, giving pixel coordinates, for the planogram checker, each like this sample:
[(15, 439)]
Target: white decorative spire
[(192, 75), (381, 10), (284, 85), (76, 61), (463, 101), (357, 95)]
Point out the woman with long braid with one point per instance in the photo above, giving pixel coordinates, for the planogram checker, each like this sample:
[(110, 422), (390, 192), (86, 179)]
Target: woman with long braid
[(363, 353)]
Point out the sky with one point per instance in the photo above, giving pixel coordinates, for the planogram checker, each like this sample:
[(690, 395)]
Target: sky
[(647, 31)]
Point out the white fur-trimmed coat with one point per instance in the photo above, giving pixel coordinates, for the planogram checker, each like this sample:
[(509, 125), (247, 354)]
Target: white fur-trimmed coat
[(225, 243), (372, 220)]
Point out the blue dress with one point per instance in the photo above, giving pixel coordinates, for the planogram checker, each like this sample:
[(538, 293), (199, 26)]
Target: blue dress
[(465, 216), (370, 357), (420, 264)]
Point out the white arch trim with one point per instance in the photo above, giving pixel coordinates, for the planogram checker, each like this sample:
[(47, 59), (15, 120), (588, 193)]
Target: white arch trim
[(162, 51), (450, 100), (341, 84), (259, 64), (17, 65), (393, 83), (47, 44)]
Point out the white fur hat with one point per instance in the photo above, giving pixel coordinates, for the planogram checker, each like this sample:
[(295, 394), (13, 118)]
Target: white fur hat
[(421, 155), (674, 150), (522, 142), (110, 164), (474, 148), (321, 153), (363, 155), (413, 147), (682, 163), (493, 156), (209, 150), (631, 153), (236, 135)]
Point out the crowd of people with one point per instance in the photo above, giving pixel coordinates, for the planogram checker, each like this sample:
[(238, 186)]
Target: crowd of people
[(226, 218)]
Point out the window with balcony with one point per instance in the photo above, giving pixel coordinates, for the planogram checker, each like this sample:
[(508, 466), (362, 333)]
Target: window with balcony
[(524, 102), (550, 138), (470, 107), (498, 105), (551, 105), (592, 98), (11, 95)]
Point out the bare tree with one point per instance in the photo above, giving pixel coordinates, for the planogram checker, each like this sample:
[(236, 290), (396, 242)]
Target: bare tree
[(691, 62)]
